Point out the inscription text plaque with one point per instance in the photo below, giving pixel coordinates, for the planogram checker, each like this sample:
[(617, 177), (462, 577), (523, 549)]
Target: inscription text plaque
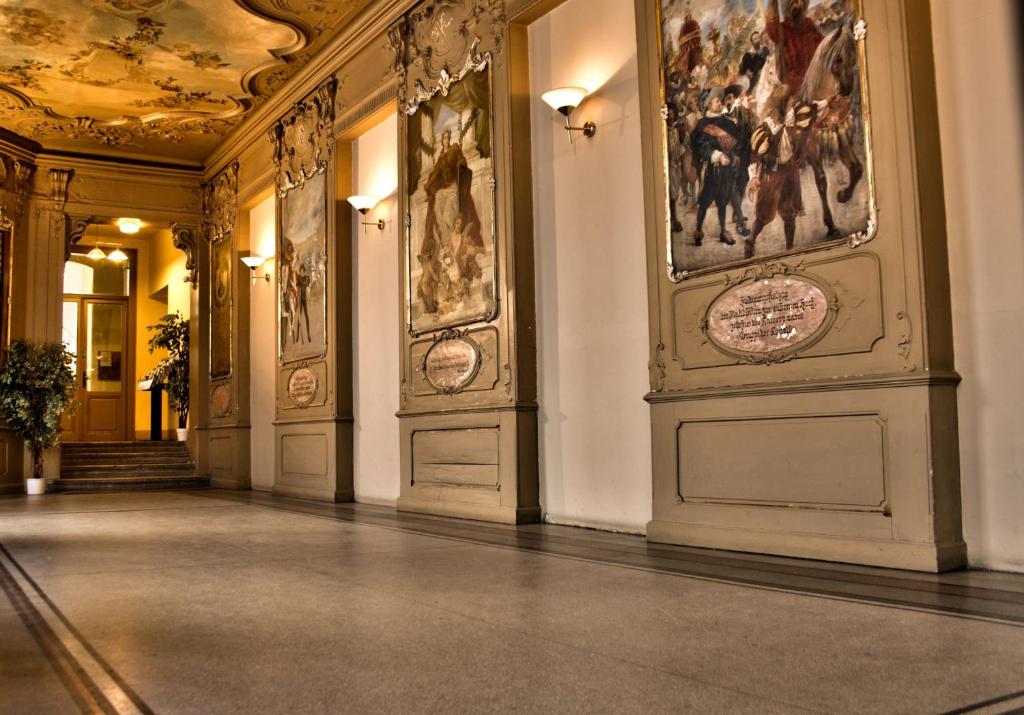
[(451, 364), (302, 386), (769, 318)]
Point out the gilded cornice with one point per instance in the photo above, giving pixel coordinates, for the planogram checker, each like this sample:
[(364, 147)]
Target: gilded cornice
[(220, 204), (360, 32), (304, 138)]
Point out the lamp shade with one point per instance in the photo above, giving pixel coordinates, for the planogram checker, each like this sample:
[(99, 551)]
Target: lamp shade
[(362, 204), (253, 262), (564, 99), (117, 255), (129, 225), (96, 253)]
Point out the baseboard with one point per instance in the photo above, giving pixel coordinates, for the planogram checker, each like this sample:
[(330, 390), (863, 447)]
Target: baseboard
[(478, 512), (915, 556), (325, 495)]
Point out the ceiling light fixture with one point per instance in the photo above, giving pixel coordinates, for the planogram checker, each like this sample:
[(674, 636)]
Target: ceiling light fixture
[(96, 254), (129, 225), (363, 204), (564, 100), (117, 255), (252, 263)]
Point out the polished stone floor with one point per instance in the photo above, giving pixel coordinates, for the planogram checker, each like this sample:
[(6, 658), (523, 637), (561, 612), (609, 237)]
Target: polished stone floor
[(218, 602)]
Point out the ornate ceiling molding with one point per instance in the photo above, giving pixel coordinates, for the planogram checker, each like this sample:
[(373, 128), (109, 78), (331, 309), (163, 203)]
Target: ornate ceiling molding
[(185, 238), (304, 138), (135, 77), (220, 204)]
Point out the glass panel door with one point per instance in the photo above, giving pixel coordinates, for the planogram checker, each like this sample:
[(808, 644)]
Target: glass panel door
[(104, 331)]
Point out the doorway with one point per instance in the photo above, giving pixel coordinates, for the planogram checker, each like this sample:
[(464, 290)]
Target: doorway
[(98, 328)]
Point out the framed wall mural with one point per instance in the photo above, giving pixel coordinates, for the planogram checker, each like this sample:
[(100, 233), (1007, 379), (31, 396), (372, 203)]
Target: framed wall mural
[(766, 129), (304, 143), (220, 303), (303, 271), (451, 261)]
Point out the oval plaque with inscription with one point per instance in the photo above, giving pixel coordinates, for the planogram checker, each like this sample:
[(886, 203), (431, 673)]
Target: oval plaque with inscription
[(451, 364), (768, 318), (302, 386), (220, 400)]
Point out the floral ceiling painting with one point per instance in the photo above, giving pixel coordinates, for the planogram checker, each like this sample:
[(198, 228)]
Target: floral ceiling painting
[(161, 79)]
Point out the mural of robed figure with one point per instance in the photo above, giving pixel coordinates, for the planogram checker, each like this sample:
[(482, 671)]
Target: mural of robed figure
[(451, 211)]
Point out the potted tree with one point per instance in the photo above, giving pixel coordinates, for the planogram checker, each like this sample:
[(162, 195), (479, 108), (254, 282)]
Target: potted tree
[(36, 388), (171, 334)]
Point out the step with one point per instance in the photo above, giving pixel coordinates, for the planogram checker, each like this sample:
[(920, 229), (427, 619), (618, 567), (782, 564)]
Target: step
[(117, 470), (125, 449), (136, 443), (170, 458), (141, 483)]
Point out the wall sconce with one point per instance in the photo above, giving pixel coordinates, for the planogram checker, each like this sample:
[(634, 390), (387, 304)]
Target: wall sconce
[(565, 99), (254, 262), (129, 225), (363, 204)]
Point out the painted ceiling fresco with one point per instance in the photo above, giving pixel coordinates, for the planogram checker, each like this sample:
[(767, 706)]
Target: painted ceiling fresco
[(164, 79)]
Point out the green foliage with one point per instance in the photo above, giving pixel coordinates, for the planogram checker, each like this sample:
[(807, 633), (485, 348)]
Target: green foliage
[(36, 387), (171, 334)]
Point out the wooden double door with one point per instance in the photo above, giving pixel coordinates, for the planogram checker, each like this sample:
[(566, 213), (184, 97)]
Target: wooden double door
[(96, 330)]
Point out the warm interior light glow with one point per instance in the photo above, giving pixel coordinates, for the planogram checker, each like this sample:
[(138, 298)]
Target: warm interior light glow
[(253, 262), (96, 253), (129, 225), (117, 255), (564, 99), (362, 204)]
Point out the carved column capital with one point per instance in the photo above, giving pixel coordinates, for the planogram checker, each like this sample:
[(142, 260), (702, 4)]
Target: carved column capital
[(220, 203), (186, 239), (60, 182), (74, 228)]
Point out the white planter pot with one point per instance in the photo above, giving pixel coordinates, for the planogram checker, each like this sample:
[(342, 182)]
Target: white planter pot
[(183, 434), (35, 486)]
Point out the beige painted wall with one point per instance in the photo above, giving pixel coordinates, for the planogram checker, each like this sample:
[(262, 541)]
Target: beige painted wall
[(376, 309), (262, 345), (977, 60), (595, 445)]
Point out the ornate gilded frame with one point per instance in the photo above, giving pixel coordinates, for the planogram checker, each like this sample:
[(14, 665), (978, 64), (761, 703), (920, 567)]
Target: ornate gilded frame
[(852, 241), (311, 121)]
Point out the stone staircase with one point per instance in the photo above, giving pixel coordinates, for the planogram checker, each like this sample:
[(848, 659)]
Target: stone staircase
[(125, 466)]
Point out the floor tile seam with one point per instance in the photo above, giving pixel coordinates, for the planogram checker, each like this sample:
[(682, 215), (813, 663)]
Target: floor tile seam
[(82, 689), (863, 601), (105, 666), (821, 572)]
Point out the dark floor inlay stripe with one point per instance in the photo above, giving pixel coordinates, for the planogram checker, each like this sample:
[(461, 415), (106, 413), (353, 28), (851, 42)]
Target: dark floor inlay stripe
[(80, 686), (874, 586), (974, 707), (93, 653)]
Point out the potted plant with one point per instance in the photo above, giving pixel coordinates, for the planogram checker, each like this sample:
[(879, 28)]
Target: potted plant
[(171, 334), (36, 388)]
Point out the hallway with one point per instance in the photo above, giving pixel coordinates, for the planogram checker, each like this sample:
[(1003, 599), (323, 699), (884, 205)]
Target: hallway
[(242, 602)]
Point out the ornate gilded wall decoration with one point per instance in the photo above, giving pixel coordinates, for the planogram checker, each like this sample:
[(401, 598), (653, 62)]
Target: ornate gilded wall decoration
[(220, 210), (766, 130), (303, 149), (74, 229), (185, 238), (444, 49)]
